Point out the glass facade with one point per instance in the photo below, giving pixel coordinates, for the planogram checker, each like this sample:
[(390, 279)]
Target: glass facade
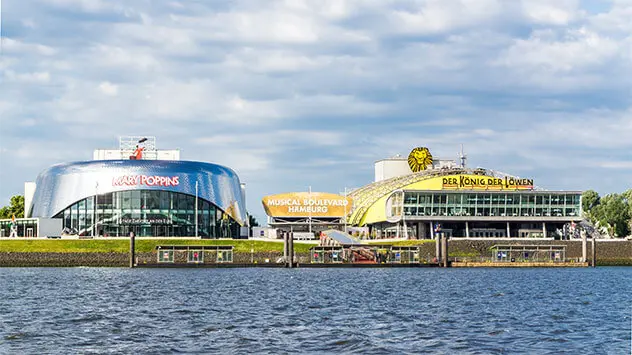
[(24, 227), (147, 213), (487, 204)]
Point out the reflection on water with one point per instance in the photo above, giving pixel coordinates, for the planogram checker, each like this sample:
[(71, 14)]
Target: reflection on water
[(481, 311)]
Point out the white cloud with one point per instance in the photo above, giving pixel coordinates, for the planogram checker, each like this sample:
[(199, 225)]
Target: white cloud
[(129, 58), (437, 16), (275, 61), (578, 49), (559, 12), (108, 88), (85, 5), (616, 164), (34, 78), (12, 47)]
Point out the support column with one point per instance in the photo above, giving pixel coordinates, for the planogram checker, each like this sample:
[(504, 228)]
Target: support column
[(584, 253), (467, 229), (544, 229), (432, 235), (508, 231)]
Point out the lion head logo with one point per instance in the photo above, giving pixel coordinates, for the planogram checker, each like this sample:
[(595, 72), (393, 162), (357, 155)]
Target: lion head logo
[(419, 159)]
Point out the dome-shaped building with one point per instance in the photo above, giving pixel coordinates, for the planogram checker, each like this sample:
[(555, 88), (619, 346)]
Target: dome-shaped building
[(160, 198)]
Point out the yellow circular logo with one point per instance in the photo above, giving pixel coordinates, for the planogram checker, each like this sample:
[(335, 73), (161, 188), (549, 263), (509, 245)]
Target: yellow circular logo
[(419, 159)]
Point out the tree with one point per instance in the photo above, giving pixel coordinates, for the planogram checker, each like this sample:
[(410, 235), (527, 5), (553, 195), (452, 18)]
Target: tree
[(590, 199), (614, 213), (628, 199), (15, 208), (252, 221)]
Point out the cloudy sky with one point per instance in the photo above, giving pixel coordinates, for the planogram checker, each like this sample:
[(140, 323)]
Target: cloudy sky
[(292, 94)]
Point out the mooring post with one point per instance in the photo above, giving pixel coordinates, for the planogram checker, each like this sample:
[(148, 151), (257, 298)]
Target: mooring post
[(584, 252), (285, 247), (594, 252), (132, 248), (438, 247), (291, 249), (444, 248)]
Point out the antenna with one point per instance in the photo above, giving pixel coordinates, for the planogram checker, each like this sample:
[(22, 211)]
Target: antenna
[(462, 157)]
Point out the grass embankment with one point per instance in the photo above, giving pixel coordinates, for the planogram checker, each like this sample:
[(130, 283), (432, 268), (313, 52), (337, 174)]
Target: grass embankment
[(142, 245)]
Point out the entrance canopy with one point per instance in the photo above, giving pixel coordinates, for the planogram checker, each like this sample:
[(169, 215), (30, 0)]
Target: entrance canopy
[(338, 238)]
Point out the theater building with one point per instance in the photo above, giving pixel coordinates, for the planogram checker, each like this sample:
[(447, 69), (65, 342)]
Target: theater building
[(416, 198), (117, 196)]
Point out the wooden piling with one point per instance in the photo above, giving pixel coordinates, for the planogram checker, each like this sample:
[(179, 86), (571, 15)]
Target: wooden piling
[(584, 247), (285, 247), (291, 250), (444, 249), (438, 247), (594, 252), (132, 249)]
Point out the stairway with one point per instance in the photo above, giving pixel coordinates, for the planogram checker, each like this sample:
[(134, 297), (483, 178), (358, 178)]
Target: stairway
[(363, 256)]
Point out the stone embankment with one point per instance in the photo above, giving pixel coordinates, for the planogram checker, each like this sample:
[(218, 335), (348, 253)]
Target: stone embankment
[(15, 259), (609, 252)]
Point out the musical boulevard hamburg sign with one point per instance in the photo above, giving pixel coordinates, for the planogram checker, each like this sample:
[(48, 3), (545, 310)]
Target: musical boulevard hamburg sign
[(486, 183), (303, 204)]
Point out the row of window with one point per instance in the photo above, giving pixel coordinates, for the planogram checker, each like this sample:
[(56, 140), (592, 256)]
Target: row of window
[(486, 204), (547, 199), (23, 228), (487, 211)]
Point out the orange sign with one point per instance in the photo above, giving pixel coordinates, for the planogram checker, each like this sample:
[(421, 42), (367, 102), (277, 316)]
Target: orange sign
[(305, 204)]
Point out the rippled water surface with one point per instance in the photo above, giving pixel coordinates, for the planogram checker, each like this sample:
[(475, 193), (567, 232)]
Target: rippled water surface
[(385, 311)]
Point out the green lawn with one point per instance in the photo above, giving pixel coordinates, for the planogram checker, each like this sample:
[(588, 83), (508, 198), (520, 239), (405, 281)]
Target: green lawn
[(142, 245)]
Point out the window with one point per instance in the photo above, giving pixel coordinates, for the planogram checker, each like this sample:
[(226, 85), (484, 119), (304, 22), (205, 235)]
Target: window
[(195, 256), (165, 256)]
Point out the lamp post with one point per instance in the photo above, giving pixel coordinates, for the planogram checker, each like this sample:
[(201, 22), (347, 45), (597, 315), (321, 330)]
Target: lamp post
[(309, 207)]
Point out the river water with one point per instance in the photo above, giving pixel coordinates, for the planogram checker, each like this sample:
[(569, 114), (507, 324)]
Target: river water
[(280, 311)]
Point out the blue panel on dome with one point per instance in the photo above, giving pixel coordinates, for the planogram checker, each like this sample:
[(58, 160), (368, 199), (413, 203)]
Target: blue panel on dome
[(61, 185)]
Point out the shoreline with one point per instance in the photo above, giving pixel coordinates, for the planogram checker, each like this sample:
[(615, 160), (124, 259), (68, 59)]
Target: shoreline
[(252, 253), (148, 260)]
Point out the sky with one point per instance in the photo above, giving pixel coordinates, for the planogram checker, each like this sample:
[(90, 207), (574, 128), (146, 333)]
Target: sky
[(293, 94)]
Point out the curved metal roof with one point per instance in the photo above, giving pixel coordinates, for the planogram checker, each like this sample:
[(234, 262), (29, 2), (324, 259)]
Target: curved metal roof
[(62, 185)]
